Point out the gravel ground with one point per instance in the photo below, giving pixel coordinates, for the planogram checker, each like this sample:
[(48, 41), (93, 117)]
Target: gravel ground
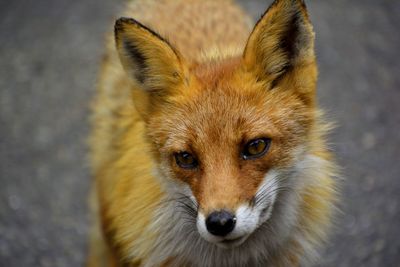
[(49, 56)]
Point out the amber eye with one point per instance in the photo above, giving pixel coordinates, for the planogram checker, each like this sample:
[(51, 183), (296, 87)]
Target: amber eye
[(185, 160), (256, 148)]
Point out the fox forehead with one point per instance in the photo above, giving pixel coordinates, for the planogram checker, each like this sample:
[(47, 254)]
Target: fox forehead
[(226, 104)]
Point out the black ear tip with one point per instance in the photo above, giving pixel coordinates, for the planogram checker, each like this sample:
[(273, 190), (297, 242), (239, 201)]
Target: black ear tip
[(119, 24), (300, 3), (123, 21)]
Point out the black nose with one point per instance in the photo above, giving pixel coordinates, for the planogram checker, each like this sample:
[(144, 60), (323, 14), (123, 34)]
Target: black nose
[(220, 223)]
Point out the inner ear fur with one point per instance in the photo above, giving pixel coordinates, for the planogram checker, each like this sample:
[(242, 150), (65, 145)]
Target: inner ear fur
[(281, 42)]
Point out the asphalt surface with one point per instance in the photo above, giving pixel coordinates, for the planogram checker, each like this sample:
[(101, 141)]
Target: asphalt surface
[(49, 58)]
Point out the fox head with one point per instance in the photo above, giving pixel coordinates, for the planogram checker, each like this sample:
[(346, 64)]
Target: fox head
[(225, 131)]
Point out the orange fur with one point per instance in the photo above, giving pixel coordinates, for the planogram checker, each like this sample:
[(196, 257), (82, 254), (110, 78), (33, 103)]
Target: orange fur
[(202, 85)]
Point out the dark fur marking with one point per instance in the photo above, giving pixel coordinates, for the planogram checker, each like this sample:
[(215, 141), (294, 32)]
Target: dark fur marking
[(138, 58), (289, 44), (290, 38)]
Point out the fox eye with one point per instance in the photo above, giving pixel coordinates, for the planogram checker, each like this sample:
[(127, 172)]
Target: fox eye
[(185, 160), (256, 148)]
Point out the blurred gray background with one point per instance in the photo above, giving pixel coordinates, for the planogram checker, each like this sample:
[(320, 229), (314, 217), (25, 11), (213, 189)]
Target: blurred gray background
[(49, 57)]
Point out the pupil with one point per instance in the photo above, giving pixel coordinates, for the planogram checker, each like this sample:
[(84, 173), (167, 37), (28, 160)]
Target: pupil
[(187, 158), (257, 146)]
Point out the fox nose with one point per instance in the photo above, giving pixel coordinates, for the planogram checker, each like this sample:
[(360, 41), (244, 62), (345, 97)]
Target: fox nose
[(220, 223)]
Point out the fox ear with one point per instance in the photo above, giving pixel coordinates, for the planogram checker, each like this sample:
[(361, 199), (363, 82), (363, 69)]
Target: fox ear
[(281, 40), (153, 64)]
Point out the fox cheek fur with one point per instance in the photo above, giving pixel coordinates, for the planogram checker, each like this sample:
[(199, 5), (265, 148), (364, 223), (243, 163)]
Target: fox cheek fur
[(221, 160)]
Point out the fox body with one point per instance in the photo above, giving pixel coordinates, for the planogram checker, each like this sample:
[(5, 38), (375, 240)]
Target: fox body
[(207, 147)]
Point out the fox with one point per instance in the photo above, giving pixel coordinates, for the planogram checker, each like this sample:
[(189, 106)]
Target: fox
[(208, 147)]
